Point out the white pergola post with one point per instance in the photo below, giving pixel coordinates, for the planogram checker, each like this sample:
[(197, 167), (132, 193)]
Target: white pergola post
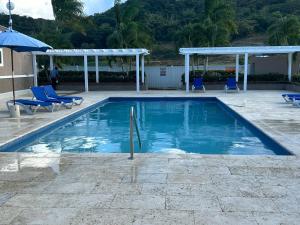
[(35, 72), (187, 72), (51, 65), (246, 72), (290, 62), (86, 75), (237, 67), (97, 68), (143, 69), (137, 58)]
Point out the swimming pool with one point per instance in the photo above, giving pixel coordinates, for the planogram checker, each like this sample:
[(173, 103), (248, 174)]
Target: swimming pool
[(167, 125)]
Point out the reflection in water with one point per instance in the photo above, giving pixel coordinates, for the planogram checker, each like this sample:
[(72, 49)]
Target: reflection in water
[(166, 126)]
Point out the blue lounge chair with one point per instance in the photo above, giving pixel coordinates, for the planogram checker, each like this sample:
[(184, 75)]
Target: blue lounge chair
[(50, 92), (231, 85), (198, 84), (290, 97), (31, 106), (40, 95)]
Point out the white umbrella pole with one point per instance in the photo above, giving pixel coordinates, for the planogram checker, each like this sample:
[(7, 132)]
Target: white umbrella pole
[(13, 79)]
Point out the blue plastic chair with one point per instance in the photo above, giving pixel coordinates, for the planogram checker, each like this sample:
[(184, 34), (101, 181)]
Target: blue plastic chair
[(198, 84), (40, 95), (31, 106), (231, 85), (291, 97), (50, 92)]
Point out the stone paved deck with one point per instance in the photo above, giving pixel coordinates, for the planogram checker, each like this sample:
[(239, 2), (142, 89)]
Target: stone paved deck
[(155, 189)]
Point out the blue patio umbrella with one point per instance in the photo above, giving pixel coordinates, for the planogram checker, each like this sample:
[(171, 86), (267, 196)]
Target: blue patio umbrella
[(19, 42)]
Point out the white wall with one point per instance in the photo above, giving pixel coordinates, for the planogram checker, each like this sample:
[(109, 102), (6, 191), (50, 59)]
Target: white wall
[(171, 80)]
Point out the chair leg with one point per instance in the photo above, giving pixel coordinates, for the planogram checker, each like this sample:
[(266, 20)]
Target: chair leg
[(28, 109), (36, 108), (58, 106), (69, 106)]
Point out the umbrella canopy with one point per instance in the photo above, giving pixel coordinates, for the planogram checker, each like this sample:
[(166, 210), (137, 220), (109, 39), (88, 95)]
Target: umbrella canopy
[(19, 42)]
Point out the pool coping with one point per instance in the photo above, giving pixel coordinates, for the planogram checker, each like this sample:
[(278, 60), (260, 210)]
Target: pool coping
[(60, 121)]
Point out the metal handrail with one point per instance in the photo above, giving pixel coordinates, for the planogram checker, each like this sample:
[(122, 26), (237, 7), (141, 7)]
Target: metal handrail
[(133, 121)]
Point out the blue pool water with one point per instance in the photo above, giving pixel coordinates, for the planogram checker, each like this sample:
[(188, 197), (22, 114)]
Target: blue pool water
[(204, 126)]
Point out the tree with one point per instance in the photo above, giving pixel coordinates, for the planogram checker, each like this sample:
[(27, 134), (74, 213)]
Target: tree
[(217, 28), (128, 32), (285, 30), (67, 12), (219, 23)]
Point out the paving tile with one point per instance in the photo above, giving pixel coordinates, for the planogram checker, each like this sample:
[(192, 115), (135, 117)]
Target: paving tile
[(201, 203), (154, 189), (85, 201), (33, 201), (117, 188), (210, 190), (235, 180), (199, 170), (221, 218), (23, 187), (166, 189), (7, 214), (104, 217), (69, 187), (145, 178), (164, 168), (271, 191), (222, 190), (277, 219), (265, 171), (18, 176), (97, 176), (288, 205), (188, 179), (164, 217), (45, 216), (244, 204), (278, 181), (138, 202)]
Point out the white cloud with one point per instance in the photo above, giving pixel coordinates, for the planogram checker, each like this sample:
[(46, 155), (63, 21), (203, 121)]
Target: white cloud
[(43, 8), (33, 8)]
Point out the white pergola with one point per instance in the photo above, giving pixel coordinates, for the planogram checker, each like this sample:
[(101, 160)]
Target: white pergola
[(237, 51), (85, 53)]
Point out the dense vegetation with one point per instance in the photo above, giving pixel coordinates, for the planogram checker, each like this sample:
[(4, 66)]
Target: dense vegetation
[(165, 25)]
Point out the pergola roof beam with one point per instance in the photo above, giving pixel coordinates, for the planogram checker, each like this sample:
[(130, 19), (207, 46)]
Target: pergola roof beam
[(94, 52), (240, 50)]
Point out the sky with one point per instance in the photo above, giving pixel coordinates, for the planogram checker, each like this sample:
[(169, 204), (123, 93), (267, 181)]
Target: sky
[(43, 8), (95, 6)]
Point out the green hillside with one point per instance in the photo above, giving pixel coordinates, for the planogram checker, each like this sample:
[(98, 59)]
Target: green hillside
[(163, 25)]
